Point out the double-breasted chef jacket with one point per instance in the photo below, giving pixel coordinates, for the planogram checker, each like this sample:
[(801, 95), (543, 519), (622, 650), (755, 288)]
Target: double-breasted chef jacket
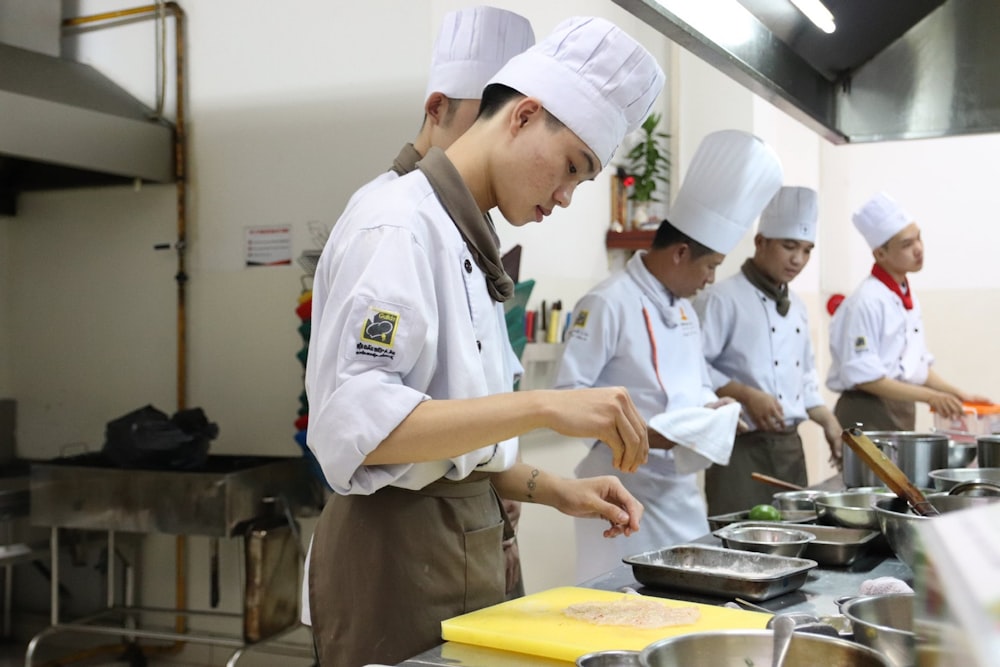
[(631, 331)]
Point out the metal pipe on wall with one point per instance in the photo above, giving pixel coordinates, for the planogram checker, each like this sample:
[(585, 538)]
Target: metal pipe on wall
[(181, 277)]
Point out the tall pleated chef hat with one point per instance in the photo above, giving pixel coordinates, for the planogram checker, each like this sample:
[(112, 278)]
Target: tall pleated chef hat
[(732, 176), (593, 77), (472, 45), (880, 219), (791, 214)]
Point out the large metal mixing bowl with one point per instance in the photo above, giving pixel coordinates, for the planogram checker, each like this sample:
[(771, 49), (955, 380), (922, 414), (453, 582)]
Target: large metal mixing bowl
[(884, 623), (754, 647), (945, 480), (850, 509), (899, 523)]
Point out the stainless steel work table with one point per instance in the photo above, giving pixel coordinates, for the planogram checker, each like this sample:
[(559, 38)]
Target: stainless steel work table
[(816, 596)]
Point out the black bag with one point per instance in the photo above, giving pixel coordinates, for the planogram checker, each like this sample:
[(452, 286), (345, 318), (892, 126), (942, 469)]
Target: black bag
[(147, 438)]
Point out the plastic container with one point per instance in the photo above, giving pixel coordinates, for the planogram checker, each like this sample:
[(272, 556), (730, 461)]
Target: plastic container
[(977, 419)]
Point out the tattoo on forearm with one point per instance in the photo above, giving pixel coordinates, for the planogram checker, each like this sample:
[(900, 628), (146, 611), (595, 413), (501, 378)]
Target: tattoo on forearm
[(532, 484)]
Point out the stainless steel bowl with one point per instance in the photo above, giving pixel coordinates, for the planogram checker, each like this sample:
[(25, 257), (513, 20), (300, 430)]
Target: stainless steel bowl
[(899, 523), (796, 500), (777, 541), (884, 623), (851, 509), (609, 659), (960, 454), (753, 647), (947, 478)]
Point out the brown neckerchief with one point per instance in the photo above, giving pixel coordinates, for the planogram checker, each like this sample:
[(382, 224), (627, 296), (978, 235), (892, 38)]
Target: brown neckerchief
[(779, 293), (475, 227), (406, 161)]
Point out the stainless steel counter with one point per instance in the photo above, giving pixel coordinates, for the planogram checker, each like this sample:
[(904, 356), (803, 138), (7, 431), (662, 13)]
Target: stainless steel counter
[(816, 596)]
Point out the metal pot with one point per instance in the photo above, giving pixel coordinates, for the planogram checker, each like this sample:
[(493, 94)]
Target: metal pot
[(884, 623), (754, 647), (988, 451), (899, 524), (916, 454)]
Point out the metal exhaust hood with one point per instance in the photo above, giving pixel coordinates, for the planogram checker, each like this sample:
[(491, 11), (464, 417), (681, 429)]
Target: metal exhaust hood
[(892, 69), (64, 124)]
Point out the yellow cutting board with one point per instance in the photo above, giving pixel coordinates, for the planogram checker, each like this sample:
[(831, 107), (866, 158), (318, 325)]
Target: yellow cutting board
[(535, 624)]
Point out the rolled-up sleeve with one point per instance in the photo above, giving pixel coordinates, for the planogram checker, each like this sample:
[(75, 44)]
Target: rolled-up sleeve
[(854, 343), (374, 322)]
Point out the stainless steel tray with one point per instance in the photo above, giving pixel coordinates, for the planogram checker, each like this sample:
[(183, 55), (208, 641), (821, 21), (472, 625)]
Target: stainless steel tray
[(788, 516), (718, 571), (833, 545)]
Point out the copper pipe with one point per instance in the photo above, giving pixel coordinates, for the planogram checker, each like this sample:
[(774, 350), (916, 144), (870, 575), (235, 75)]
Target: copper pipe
[(180, 177)]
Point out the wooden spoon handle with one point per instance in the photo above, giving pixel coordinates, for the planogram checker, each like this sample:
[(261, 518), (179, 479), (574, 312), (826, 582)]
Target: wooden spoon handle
[(887, 471), (774, 481)]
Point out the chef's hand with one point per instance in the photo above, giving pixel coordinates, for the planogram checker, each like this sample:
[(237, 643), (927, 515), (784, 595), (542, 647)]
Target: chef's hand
[(607, 414), (945, 404), (974, 398), (741, 426), (600, 498), (764, 410)]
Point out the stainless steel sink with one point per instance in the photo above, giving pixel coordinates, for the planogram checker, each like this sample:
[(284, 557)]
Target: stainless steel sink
[(215, 500)]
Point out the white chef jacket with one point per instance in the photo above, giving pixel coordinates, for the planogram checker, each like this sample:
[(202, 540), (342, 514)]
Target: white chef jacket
[(400, 314), (873, 336), (609, 344), (398, 252), (745, 340)]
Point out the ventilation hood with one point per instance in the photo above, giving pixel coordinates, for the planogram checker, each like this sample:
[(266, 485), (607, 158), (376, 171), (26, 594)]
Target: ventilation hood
[(64, 124), (892, 69)]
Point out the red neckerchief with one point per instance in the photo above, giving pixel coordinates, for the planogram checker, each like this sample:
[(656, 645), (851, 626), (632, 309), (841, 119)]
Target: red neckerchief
[(891, 283)]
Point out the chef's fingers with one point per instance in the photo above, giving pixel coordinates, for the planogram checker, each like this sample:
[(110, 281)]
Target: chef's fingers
[(635, 440)]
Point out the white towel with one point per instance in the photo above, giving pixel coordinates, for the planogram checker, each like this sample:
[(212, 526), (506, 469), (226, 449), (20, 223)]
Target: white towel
[(704, 435)]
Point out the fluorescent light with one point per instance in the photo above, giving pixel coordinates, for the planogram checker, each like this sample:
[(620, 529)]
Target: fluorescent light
[(816, 12)]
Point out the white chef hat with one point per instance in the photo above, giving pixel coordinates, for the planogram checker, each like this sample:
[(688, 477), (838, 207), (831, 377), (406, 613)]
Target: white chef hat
[(791, 214), (880, 219), (732, 176), (593, 77), (472, 45)]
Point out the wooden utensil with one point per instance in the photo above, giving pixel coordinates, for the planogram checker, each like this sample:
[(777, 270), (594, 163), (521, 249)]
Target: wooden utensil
[(887, 471), (774, 481)]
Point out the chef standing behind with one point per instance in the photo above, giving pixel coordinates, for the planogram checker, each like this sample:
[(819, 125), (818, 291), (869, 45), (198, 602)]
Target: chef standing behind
[(880, 362), (471, 46), (755, 333), (414, 420), (638, 329)]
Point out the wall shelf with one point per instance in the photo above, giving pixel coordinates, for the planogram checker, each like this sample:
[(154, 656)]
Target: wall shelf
[(632, 240)]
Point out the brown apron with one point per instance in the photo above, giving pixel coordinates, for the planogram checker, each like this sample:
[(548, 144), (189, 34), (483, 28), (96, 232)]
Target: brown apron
[(730, 488), (387, 568), (875, 413)]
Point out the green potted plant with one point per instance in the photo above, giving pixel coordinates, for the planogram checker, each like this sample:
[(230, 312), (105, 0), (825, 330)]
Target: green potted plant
[(647, 165)]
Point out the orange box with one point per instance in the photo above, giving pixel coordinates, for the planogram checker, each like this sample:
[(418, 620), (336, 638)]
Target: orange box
[(977, 419)]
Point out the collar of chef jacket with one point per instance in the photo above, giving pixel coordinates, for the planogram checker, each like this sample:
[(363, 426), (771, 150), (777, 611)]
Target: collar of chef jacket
[(654, 290)]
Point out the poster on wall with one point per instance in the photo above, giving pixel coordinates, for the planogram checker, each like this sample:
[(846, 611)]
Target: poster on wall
[(268, 245)]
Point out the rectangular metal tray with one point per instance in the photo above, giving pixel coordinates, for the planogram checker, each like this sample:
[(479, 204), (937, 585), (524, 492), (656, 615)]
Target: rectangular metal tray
[(718, 571), (833, 545), (790, 516)]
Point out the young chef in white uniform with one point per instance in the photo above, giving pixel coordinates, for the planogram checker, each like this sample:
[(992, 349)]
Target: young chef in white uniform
[(880, 361), (755, 334), (638, 329), (412, 415), (471, 46)]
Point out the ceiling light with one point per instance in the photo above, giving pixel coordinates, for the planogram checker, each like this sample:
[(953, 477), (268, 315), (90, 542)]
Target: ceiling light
[(816, 12)]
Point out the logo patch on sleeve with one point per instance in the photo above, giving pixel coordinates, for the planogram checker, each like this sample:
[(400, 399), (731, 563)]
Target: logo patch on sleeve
[(378, 333), (581, 319), (860, 344)]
